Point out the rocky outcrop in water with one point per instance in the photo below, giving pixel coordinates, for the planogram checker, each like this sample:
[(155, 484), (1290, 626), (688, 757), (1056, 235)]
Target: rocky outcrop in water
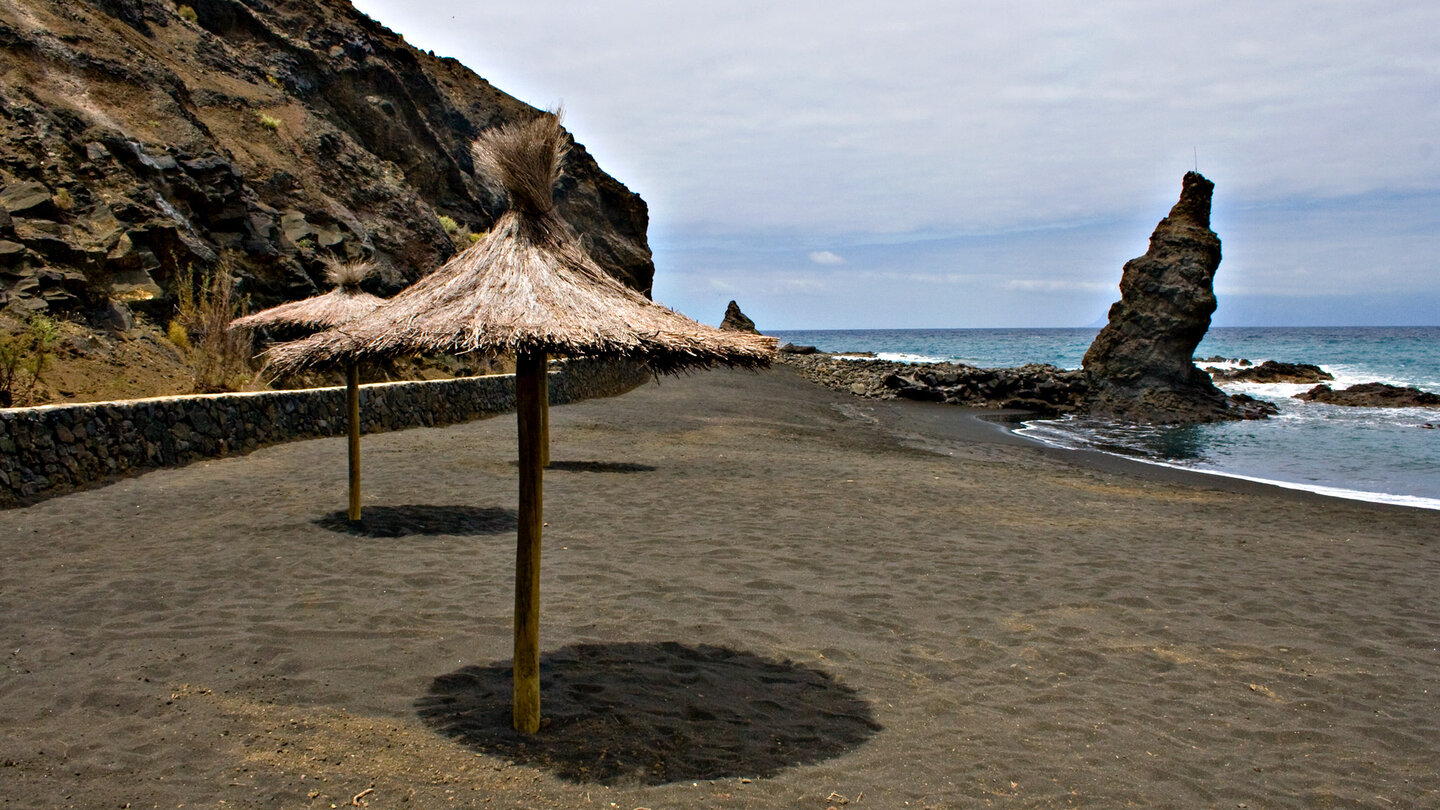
[(1140, 365), (735, 320), (142, 138), (1272, 372), (1040, 389), (1372, 395), (1239, 361)]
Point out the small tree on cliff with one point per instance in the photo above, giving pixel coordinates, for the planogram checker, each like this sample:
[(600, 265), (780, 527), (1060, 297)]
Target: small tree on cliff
[(23, 358)]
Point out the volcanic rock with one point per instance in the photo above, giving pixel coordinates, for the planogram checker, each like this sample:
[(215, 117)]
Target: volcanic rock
[(735, 320), (1272, 372), (1372, 395), (1239, 361), (1041, 389), (11, 252), (28, 200), (1140, 365)]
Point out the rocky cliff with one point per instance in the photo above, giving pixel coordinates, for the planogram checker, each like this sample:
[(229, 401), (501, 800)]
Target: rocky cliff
[(144, 139), (1141, 365)]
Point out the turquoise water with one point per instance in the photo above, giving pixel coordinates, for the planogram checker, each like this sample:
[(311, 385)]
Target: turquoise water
[(1376, 454)]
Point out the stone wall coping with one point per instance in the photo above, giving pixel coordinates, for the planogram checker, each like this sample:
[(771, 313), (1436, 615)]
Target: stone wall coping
[(233, 394), (48, 450)]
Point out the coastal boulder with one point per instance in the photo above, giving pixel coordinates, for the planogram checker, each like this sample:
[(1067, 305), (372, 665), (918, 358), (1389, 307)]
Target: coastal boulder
[(1140, 365), (1041, 389), (1372, 395), (735, 320), (791, 348)]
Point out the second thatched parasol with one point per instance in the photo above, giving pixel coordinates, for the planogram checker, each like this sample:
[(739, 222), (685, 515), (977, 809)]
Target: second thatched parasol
[(530, 289), (341, 305)]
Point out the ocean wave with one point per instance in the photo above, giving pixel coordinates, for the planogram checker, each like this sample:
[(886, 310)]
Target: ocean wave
[(1268, 391), (913, 359), (1345, 376), (1414, 501)]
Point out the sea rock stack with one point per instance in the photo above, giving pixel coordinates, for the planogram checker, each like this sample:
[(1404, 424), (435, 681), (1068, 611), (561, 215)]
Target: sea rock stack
[(735, 320), (1140, 365)]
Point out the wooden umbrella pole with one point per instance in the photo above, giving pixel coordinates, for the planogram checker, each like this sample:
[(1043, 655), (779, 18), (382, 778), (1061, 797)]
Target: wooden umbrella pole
[(529, 393), (352, 408), (544, 411)]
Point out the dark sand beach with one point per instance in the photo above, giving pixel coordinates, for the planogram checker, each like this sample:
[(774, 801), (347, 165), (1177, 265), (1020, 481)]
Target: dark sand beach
[(756, 594)]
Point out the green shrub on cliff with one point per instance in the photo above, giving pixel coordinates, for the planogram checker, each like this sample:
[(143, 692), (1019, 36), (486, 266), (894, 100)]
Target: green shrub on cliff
[(219, 356), (177, 335), (23, 358)]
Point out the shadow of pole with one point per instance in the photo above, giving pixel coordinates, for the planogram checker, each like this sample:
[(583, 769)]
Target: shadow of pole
[(412, 519), (652, 713), (597, 467)]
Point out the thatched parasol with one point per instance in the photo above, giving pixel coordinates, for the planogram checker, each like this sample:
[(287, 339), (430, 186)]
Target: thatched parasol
[(341, 305), (530, 289)]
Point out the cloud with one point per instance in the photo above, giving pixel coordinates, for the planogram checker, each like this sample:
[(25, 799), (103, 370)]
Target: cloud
[(817, 122), (750, 115)]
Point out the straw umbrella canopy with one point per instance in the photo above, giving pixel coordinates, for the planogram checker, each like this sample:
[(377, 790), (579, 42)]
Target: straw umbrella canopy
[(530, 289), (341, 305)]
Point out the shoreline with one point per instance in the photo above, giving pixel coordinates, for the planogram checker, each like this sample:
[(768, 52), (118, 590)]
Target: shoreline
[(1104, 458), (757, 593), (861, 376), (991, 425)]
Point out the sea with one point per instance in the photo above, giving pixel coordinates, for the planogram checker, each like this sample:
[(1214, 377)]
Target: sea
[(1374, 454)]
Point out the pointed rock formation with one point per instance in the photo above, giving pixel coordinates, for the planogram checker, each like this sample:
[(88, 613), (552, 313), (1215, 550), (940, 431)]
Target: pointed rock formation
[(1140, 365), (735, 320)]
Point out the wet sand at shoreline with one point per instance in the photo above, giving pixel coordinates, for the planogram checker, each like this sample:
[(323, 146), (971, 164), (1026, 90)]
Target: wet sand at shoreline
[(756, 593)]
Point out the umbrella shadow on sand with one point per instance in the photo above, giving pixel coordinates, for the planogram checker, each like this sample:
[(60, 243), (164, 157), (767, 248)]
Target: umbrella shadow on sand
[(653, 713), (428, 519)]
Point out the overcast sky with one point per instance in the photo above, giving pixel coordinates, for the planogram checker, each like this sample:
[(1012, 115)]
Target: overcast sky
[(842, 164)]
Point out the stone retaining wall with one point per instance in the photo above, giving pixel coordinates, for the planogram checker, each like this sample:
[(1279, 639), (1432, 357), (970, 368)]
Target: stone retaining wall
[(54, 449)]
